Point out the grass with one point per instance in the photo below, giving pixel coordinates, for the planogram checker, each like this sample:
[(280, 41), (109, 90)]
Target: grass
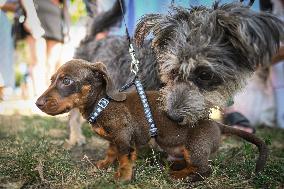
[(32, 156)]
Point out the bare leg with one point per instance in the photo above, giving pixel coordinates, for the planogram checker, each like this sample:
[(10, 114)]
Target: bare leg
[(54, 50), (37, 65)]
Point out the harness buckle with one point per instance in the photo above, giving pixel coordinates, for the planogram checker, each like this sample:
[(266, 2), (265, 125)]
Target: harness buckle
[(103, 103)]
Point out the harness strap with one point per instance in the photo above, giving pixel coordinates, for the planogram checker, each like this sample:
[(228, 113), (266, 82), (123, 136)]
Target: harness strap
[(134, 68), (147, 111), (102, 104)]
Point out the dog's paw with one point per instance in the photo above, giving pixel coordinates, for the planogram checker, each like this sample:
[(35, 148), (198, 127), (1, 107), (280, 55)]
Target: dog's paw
[(102, 164), (200, 176), (67, 145), (183, 173), (178, 175), (122, 177), (70, 143), (189, 176), (81, 141), (117, 175)]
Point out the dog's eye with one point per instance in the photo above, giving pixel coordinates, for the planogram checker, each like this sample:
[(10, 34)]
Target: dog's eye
[(205, 75), (205, 78), (66, 81)]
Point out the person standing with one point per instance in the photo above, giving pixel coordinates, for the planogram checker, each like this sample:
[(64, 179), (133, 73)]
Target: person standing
[(7, 76), (45, 52)]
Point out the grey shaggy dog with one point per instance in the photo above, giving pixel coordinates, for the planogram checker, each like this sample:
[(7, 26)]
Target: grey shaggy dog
[(205, 55)]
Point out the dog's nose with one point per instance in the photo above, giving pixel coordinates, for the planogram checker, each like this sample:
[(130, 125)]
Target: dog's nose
[(40, 102)]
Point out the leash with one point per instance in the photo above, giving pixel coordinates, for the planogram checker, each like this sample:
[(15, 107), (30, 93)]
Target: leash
[(134, 68), (103, 102)]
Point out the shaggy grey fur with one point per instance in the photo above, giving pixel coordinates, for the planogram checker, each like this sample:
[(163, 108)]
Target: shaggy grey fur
[(206, 55), (113, 52)]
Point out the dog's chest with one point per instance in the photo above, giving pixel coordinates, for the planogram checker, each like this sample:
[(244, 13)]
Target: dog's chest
[(101, 132)]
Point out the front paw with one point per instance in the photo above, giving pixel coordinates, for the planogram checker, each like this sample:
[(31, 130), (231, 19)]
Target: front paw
[(177, 175), (102, 164), (189, 175), (124, 177)]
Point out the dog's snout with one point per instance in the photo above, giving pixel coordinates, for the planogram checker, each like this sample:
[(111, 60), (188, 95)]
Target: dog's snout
[(40, 102)]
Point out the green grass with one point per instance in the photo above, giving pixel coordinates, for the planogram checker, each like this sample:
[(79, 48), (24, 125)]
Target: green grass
[(32, 156)]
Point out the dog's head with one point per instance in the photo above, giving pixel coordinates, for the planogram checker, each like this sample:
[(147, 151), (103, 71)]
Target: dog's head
[(77, 84), (206, 55)]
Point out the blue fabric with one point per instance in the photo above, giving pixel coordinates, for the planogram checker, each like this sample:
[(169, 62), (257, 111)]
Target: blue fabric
[(6, 51), (136, 9)]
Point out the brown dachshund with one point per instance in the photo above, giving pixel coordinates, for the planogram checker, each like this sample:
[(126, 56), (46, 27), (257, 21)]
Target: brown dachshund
[(81, 84)]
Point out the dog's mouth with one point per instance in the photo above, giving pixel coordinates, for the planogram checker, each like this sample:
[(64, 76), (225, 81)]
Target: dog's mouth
[(67, 109), (57, 111), (52, 107)]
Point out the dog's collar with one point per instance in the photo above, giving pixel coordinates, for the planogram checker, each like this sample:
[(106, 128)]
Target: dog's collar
[(101, 105)]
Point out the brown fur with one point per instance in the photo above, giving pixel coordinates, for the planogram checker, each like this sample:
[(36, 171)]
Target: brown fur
[(124, 125)]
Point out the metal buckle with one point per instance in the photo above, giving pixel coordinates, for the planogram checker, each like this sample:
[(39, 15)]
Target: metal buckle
[(103, 103)]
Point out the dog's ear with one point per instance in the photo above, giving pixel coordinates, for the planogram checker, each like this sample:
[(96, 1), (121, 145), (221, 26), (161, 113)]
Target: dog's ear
[(110, 89), (145, 25), (163, 27), (255, 35)]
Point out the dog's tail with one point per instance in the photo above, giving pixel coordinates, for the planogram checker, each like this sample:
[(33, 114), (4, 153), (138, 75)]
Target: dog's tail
[(262, 147), (108, 18)]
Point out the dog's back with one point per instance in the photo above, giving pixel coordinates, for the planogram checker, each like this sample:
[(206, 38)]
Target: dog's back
[(113, 52), (130, 113)]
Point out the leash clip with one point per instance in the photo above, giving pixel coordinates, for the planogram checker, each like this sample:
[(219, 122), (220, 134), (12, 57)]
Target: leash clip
[(134, 68)]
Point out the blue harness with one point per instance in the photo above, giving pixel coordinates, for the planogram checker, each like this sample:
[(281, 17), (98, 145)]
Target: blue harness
[(103, 103)]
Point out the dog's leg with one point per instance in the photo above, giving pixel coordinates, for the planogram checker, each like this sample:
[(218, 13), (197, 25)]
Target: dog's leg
[(199, 159), (75, 123), (177, 165), (111, 156), (197, 167), (126, 156), (196, 155), (188, 170), (126, 164)]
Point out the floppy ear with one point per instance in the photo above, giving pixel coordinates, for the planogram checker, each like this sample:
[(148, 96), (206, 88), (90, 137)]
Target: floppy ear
[(111, 92), (145, 26), (256, 35)]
